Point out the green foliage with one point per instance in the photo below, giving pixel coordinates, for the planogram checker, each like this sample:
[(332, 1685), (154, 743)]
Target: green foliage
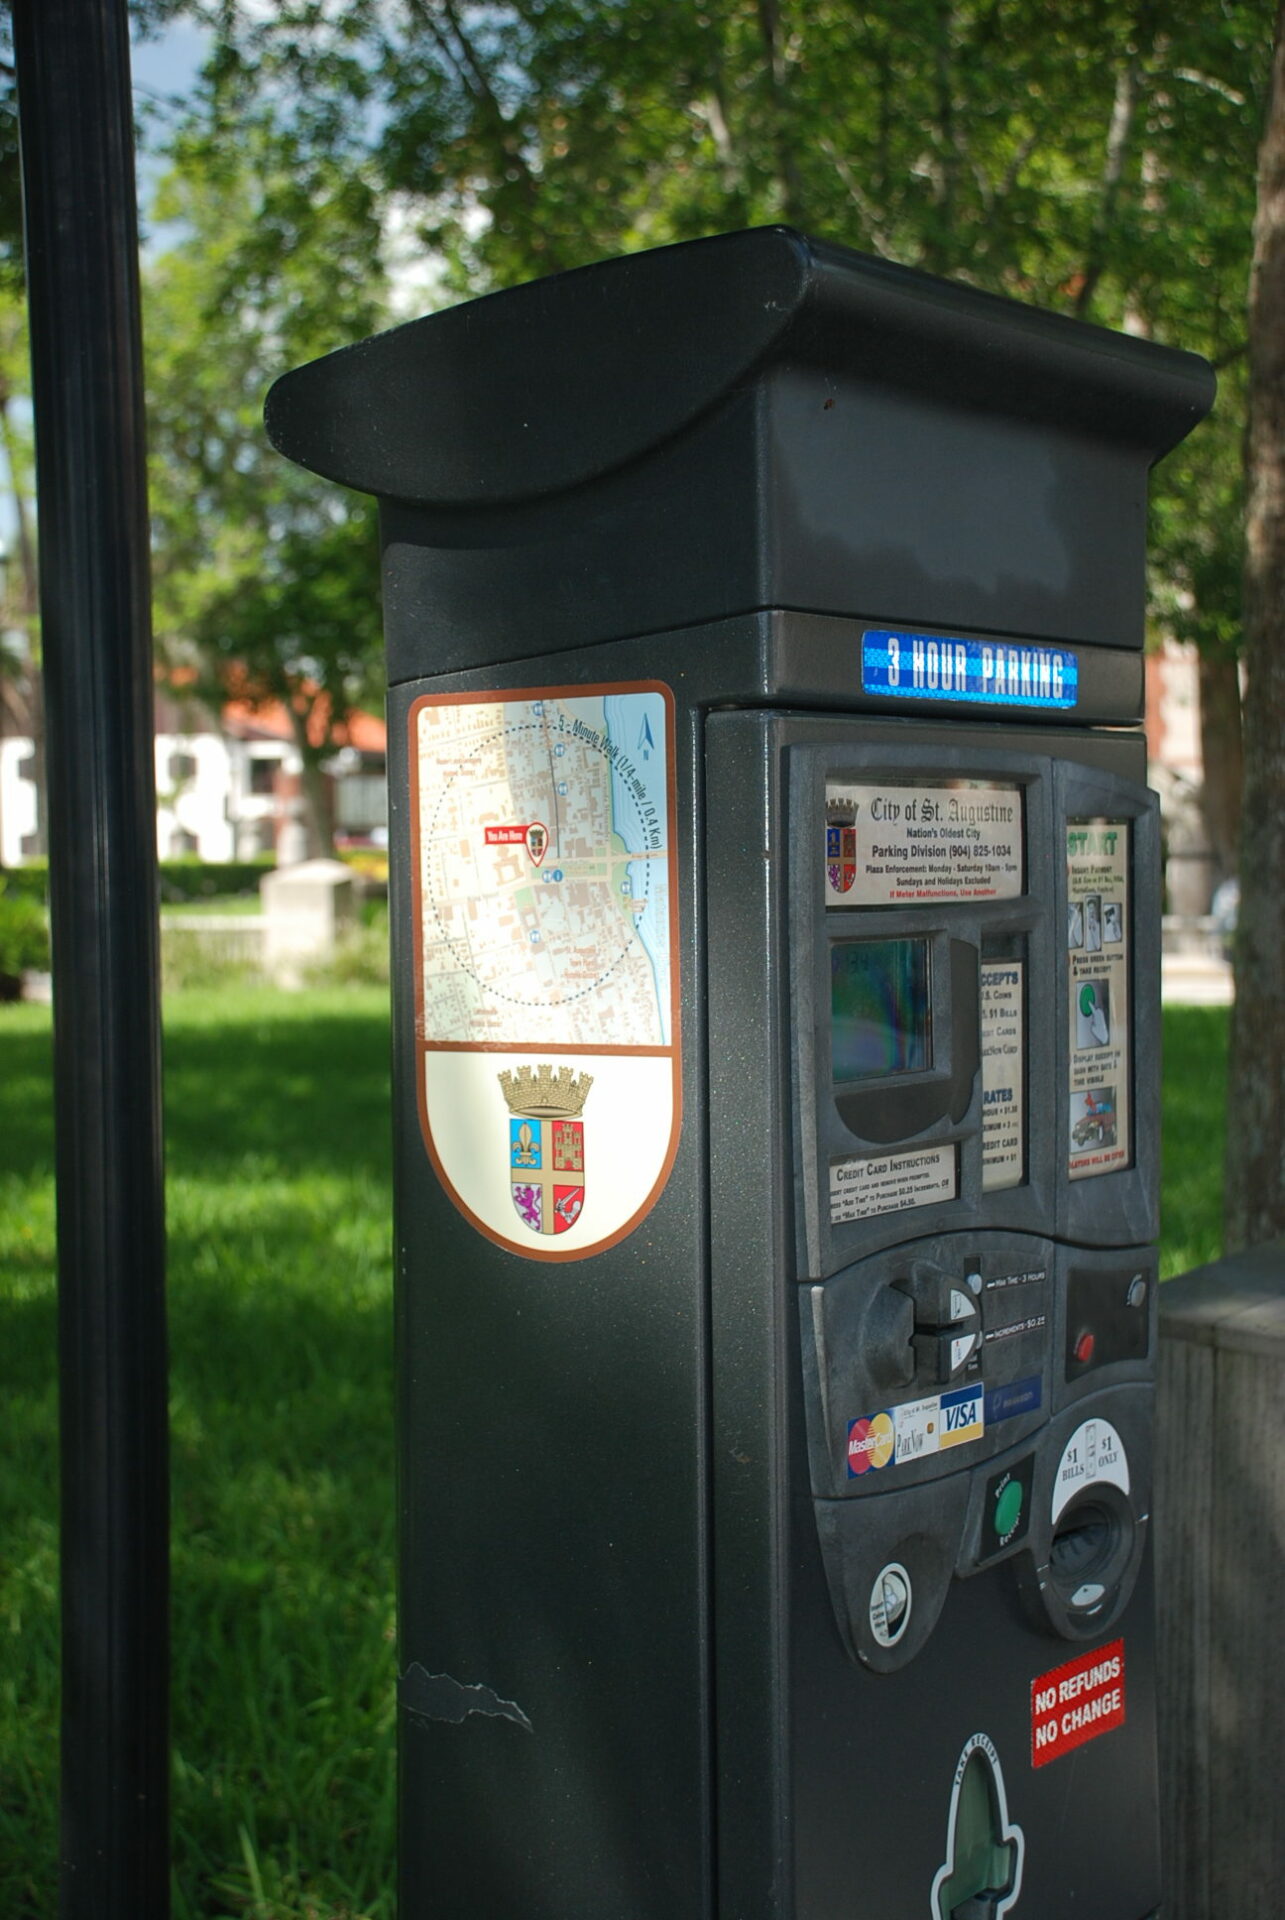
[(1093, 159), (361, 956), (186, 878), (266, 578), (1030, 150), (207, 880), (11, 263), (30, 881), (1196, 539), (24, 935)]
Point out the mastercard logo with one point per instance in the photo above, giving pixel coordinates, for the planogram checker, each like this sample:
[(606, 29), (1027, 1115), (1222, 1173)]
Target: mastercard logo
[(871, 1443)]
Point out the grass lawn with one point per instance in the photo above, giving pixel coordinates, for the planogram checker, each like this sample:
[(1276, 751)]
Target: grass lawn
[(242, 904), (1194, 1099), (281, 1346), (281, 1400)]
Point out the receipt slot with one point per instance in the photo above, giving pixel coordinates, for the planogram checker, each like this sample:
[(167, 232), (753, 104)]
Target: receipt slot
[(775, 901)]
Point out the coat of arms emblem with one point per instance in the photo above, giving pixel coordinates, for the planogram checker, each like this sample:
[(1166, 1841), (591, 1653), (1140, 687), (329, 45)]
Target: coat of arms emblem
[(546, 1145), (841, 847)]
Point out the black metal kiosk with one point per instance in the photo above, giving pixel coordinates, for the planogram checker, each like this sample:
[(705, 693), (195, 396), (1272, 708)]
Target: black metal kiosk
[(776, 907)]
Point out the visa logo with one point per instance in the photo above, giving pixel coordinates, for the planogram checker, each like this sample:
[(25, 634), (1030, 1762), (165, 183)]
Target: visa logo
[(961, 1416)]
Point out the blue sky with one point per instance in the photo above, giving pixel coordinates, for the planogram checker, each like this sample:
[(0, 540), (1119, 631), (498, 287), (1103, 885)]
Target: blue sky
[(168, 64), (162, 69)]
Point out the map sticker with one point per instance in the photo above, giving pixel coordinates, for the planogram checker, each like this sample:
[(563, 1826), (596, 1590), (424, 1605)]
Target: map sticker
[(1097, 938), (887, 845), (545, 902)]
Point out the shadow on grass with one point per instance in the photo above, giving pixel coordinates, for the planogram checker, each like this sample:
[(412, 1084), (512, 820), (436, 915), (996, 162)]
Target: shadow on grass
[(26, 1092), (298, 1082), (300, 1092)]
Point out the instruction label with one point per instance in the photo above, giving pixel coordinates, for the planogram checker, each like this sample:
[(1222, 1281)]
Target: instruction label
[(955, 840), (1003, 1080), (1097, 938), (1076, 1702), (1093, 1456), (862, 1187)]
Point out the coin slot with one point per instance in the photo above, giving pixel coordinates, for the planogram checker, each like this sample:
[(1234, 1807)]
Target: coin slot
[(1087, 1554)]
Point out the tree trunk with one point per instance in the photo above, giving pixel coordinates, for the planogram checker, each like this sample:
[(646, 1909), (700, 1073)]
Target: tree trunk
[(317, 814), (1221, 756), (1256, 1096), (789, 183), (1117, 146), (318, 817)]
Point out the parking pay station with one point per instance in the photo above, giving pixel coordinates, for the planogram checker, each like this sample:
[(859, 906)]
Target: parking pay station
[(775, 895)]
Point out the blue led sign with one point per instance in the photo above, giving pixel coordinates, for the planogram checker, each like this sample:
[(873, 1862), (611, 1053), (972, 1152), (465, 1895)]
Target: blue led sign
[(992, 673)]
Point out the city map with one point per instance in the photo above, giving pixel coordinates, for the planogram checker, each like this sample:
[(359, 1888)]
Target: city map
[(544, 870)]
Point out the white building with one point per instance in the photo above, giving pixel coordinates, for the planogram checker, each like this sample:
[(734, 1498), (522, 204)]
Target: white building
[(226, 789)]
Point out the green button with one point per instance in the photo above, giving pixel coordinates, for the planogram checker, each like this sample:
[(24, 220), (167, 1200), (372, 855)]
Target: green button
[(1008, 1509)]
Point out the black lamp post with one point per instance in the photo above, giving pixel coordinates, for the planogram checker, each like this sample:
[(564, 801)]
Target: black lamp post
[(76, 127)]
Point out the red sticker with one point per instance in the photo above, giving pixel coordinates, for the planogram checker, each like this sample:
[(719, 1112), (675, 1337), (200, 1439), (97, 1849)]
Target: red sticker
[(1076, 1703)]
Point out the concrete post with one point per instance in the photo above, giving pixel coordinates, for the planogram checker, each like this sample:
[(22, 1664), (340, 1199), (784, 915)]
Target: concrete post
[(305, 909), (1220, 1543)]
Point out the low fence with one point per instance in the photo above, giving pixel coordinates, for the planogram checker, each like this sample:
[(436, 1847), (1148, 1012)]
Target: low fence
[(218, 939), (1192, 933)]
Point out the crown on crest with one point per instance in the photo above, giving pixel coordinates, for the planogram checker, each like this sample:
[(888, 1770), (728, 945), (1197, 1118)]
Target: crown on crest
[(543, 1094), (840, 813)]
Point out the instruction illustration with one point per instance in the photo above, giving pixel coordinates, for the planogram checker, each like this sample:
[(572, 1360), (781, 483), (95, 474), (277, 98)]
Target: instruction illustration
[(1097, 875)]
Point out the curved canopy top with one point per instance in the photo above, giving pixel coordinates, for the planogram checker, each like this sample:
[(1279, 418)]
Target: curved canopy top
[(551, 385)]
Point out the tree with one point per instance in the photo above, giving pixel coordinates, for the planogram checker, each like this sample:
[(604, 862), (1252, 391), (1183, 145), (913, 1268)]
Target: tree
[(1094, 158), (1063, 155), (266, 580), (1256, 1104), (11, 269), (1197, 559)]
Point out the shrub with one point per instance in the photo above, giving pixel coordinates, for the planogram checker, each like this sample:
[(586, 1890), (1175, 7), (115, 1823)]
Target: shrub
[(360, 958), (24, 940), (194, 879), (27, 882), (371, 863), (186, 879)]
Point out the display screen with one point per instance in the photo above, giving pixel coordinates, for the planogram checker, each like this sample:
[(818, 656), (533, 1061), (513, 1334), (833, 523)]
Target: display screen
[(880, 1008)]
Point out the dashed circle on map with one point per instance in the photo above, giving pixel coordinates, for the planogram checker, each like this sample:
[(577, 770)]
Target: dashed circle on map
[(560, 908)]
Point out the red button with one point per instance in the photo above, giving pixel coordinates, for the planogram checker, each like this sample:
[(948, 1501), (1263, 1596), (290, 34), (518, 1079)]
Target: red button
[(1084, 1348)]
